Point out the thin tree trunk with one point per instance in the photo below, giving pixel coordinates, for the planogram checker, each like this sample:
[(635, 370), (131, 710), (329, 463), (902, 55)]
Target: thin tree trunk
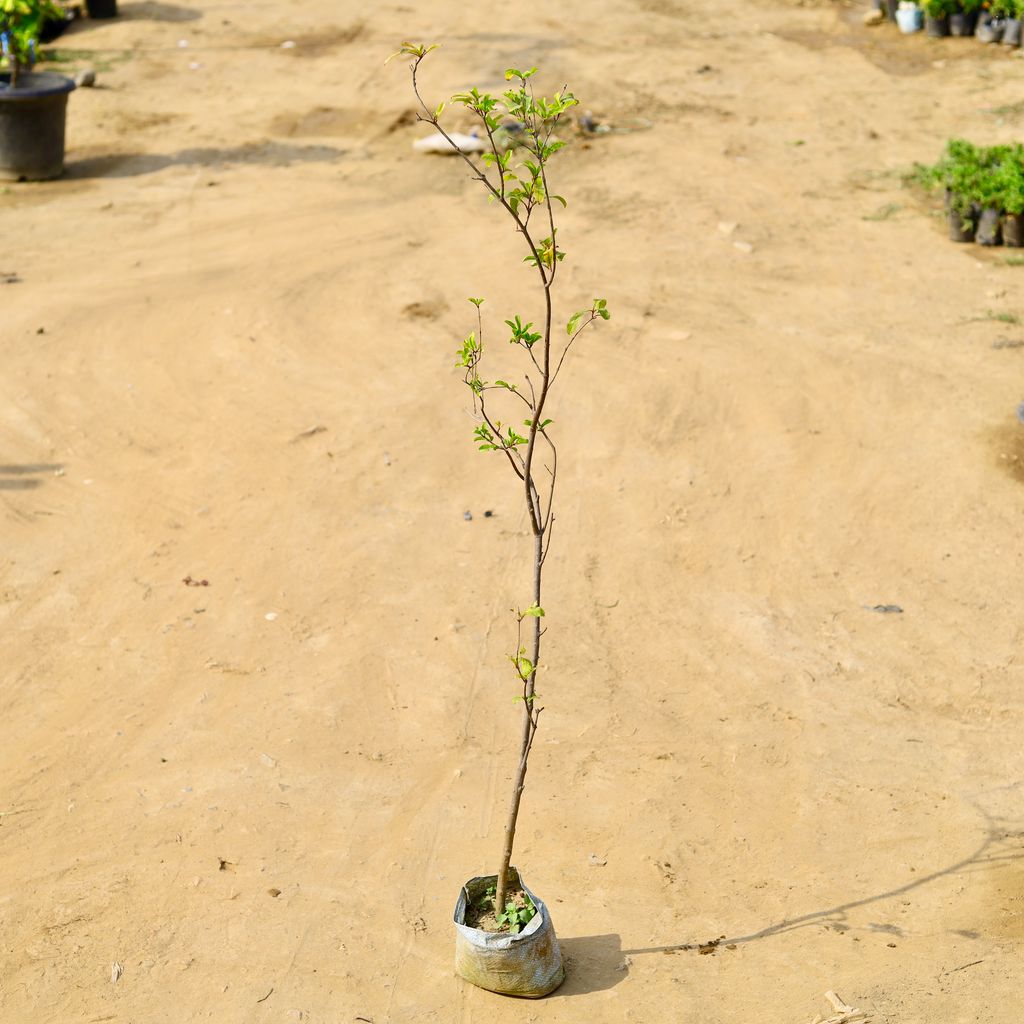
[(529, 728)]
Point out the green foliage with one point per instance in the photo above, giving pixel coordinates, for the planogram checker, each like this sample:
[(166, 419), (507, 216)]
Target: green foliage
[(21, 22), (938, 8), (521, 333), (977, 176), (517, 917), (524, 666), (1006, 8)]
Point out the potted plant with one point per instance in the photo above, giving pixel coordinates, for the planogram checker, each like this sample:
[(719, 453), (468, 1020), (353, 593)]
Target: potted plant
[(101, 8), (987, 197), (964, 19), (504, 939), (909, 17), (936, 17), (33, 104), (990, 23), (958, 173), (1010, 185), (1012, 11)]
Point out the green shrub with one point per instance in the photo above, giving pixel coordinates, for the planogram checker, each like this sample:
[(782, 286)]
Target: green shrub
[(990, 177)]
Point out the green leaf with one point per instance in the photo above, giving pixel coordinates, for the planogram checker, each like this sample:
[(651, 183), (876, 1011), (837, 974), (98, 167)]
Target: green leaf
[(408, 49), (535, 611), (439, 110), (476, 302), (524, 667)]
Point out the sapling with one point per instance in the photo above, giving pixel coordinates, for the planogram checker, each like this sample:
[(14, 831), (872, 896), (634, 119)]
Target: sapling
[(518, 131)]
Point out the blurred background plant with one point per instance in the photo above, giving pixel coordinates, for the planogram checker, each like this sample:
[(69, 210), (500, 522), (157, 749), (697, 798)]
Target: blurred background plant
[(21, 24)]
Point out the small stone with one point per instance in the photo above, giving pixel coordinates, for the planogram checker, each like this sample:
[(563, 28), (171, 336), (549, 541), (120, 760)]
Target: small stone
[(595, 861), (727, 227), (468, 516), (270, 616), (268, 761), (743, 247), (86, 78), (875, 17)]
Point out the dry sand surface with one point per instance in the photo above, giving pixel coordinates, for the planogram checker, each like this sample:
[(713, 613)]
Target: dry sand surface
[(258, 798)]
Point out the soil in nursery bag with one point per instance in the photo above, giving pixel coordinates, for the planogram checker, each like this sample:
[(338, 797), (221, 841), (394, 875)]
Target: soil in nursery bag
[(989, 231), (526, 963), (481, 913), (961, 226), (1013, 230), (963, 24), (990, 30), (937, 27), (1011, 32)]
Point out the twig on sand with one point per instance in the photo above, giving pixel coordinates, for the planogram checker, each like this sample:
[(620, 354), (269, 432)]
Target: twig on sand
[(845, 1014), (962, 967), (267, 996)]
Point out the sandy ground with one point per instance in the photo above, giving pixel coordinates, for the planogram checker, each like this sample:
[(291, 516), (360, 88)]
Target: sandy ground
[(760, 447)]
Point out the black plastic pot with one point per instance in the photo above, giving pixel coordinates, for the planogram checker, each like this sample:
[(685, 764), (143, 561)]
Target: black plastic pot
[(101, 8), (936, 27), (961, 226), (54, 28), (890, 9), (32, 119), (962, 23), (989, 30), (1011, 32), (989, 228), (1013, 230)]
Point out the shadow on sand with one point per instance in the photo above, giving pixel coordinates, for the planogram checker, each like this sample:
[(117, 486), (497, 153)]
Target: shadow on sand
[(25, 476), (593, 963), (264, 154), (999, 844)]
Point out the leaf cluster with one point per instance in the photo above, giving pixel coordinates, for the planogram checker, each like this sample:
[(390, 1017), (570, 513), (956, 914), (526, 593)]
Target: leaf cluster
[(515, 917), (21, 23), (989, 177), (939, 8), (1006, 8)]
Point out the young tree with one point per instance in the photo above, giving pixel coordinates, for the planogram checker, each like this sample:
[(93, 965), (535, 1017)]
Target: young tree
[(519, 129)]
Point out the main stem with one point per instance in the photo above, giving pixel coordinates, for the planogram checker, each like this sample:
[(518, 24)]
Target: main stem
[(529, 728), (539, 523)]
